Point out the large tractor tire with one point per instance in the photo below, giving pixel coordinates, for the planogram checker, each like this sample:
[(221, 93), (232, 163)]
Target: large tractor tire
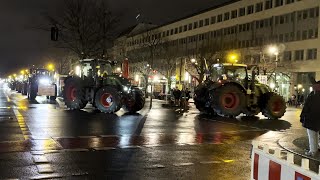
[(74, 94), (32, 91), (228, 100), (201, 97), (108, 100), (274, 106), (135, 101)]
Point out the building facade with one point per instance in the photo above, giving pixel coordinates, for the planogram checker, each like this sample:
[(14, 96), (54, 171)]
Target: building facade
[(249, 28)]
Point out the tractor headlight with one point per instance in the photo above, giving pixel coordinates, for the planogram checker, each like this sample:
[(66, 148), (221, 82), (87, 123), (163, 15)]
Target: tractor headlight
[(44, 81)]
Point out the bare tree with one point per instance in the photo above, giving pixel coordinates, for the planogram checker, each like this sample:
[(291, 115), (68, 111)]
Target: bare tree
[(84, 26), (168, 57)]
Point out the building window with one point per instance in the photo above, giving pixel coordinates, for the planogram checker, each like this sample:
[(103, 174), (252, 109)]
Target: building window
[(287, 56), (312, 13), (298, 35), (310, 34), (268, 4), (299, 15), (213, 19), (289, 1), (292, 36), (317, 11), (250, 9), (305, 14), (259, 7), (200, 23), (176, 31), (316, 33), (278, 3), (164, 34), (190, 26), (234, 14), (195, 25), (185, 28), (304, 35), (171, 32), (286, 37), (298, 55), (281, 39), (226, 16), (220, 18), (242, 11), (168, 32), (311, 54), (206, 22)]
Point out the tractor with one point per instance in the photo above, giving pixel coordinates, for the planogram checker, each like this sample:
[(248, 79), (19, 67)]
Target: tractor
[(40, 83), (93, 82), (229, 91)]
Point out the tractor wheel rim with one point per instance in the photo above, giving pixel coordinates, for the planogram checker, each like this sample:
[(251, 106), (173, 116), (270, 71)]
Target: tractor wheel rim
[(106, 100), (276, 106), (230, 100), (73, 93)]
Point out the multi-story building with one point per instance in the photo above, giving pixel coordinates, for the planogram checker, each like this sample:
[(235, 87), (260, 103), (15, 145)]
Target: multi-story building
[(249, 27)]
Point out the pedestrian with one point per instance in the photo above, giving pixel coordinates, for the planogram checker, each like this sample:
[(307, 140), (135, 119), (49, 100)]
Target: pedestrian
[(177, 95), (310, 118), (187, 93)]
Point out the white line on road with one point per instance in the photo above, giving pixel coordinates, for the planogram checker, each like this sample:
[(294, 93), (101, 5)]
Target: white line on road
[(44, 168), (210, 162), (84, 137), (183, 164), (76, 150), (40, 159), (104, 148), (49, 176)]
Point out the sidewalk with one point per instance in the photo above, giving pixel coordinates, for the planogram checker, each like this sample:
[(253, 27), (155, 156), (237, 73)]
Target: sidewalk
[(297, 144)]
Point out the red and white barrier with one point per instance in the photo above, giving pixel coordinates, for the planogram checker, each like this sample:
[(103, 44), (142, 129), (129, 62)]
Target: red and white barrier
[(267, 166)]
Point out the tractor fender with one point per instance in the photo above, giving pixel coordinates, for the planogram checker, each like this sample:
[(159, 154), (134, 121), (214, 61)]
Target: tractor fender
[(218, 85)]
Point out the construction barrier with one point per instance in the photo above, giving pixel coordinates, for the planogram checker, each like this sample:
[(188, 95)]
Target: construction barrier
[(270, 166)]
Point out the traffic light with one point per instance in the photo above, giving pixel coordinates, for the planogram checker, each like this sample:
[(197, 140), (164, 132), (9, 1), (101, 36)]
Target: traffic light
[(54, 34)]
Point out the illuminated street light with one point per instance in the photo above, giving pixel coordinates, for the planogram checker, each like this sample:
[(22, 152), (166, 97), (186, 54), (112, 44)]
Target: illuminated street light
[(118, 69), (50, 67), (193, 60), (233, 58), (299, 86)]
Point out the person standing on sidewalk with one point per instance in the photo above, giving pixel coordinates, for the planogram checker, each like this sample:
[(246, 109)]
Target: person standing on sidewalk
[(310, 118)]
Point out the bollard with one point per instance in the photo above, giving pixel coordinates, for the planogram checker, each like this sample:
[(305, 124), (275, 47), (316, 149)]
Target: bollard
[(305, 163), (290, 158)]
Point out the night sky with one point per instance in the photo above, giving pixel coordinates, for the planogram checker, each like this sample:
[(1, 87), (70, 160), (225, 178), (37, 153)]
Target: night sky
[(22, 44)]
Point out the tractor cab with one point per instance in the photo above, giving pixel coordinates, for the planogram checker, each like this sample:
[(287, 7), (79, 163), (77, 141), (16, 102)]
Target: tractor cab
[(229, 72)]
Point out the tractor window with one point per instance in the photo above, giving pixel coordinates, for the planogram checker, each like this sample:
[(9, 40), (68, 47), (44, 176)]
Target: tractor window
[(216, 73), (235, 72)]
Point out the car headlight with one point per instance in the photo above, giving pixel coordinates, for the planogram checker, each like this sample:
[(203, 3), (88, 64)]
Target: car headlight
[(44, 81)]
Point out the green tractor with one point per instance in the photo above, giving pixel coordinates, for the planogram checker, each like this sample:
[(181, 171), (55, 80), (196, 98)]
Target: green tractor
[(229, 91), (93, 82)]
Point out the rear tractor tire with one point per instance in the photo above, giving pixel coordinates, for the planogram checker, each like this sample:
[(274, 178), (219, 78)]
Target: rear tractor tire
[(229, 101), (135, 102), (108, 100), (74, 94), (274, 105)]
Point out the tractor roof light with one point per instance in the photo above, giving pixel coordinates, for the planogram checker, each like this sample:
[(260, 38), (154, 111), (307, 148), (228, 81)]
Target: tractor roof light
[(233, 58), (50, 67)]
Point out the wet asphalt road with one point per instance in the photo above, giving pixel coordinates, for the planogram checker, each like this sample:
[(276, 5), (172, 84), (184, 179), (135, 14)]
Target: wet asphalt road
[(42, 139)]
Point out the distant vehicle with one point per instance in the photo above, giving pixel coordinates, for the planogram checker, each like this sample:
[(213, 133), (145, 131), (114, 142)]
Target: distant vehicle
[(229, 91), (93, 81), (40, 83)]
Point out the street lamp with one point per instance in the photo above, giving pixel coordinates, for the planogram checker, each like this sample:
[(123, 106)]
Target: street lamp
[(193, 60)]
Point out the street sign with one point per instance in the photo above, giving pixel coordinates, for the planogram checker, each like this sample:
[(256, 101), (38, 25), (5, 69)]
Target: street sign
[(262, 79)]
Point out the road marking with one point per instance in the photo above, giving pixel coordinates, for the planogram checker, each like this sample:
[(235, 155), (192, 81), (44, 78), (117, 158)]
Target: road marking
[(40, 159), (210, 162), (130, 147), (37, 152), (183, 164), (22, 124), (44, 168), (49, 176), (156, 166)]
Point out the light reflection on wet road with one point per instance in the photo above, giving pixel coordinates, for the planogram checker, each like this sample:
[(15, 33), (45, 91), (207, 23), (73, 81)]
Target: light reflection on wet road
[(45, 127)]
